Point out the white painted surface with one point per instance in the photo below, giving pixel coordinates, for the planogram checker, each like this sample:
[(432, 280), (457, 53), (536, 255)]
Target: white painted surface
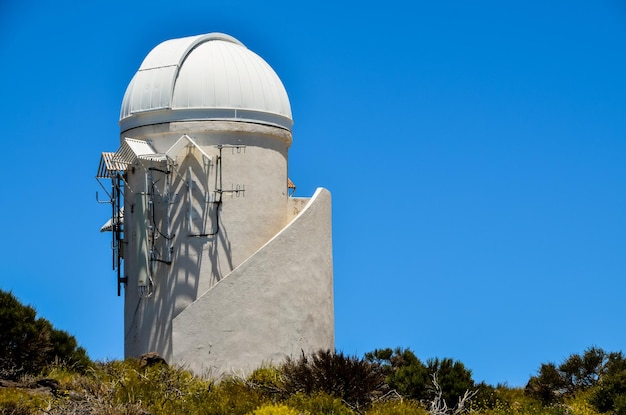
[(204, 77), (250, 279), (275, 304), (246, 221)]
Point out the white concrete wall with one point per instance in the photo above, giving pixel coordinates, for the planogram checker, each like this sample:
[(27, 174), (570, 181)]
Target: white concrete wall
[(246, 223), (276, 303)]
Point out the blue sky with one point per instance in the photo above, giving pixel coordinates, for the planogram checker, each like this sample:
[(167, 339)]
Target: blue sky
[(476, 154)]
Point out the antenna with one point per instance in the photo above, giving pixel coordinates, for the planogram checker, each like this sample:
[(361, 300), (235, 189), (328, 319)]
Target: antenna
[(110, 169)]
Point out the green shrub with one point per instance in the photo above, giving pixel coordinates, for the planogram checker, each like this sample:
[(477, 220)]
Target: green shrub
[(610, 395), (576, 374), (268, 379), (579, 404), (351, 379), (318, 404), (160, 388), (274, 409), (403, 371), (405, 407), (501, 400), (65, 349), (548, 386), (232, 397), (14, 401), (29, 343), (412, 379), (24, 340), (487, 396), (580, 372), (453, 377)]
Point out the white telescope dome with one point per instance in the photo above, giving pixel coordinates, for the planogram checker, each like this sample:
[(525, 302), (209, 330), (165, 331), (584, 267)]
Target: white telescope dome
[(205, 77)]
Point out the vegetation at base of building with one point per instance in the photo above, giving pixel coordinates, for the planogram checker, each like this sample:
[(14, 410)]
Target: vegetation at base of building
[(60, 379), (353, 380), (28, 343), (135, 387), (411, 378), (598, 374)]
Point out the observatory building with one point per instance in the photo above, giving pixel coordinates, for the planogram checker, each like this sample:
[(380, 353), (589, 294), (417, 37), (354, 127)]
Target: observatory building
[(222, 268)]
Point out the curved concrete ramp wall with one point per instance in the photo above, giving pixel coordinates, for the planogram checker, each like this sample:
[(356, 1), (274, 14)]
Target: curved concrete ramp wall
[(278, 302)]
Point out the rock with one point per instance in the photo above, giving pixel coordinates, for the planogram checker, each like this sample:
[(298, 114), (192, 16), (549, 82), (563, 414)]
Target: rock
[(4, 383), (51, 384), (151, 359), (40, 387)]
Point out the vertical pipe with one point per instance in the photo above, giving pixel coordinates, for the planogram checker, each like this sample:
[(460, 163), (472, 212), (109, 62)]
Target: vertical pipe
[(141, 244), (113, 197), (167, 216), (117, 224), (189, 199), (149, 217)]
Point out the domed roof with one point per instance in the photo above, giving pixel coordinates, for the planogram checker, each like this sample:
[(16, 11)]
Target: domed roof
[(205, 77)]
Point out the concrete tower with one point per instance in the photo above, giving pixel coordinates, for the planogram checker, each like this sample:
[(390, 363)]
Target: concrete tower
[(223, 269)]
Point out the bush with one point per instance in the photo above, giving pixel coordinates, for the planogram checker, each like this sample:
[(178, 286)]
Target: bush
[(503, 400), (405, 373), (548, 386), (487, 396), (65, 349), (15, 401), (580, 372), (453, 377), (24, 340), (610, 394), (268, 380), (131, 388), (29, 343), (351, 379), (274, 409), (577, 373), (231, 397), (318, 404), (579, 404), (406, 407), (163, 389)]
